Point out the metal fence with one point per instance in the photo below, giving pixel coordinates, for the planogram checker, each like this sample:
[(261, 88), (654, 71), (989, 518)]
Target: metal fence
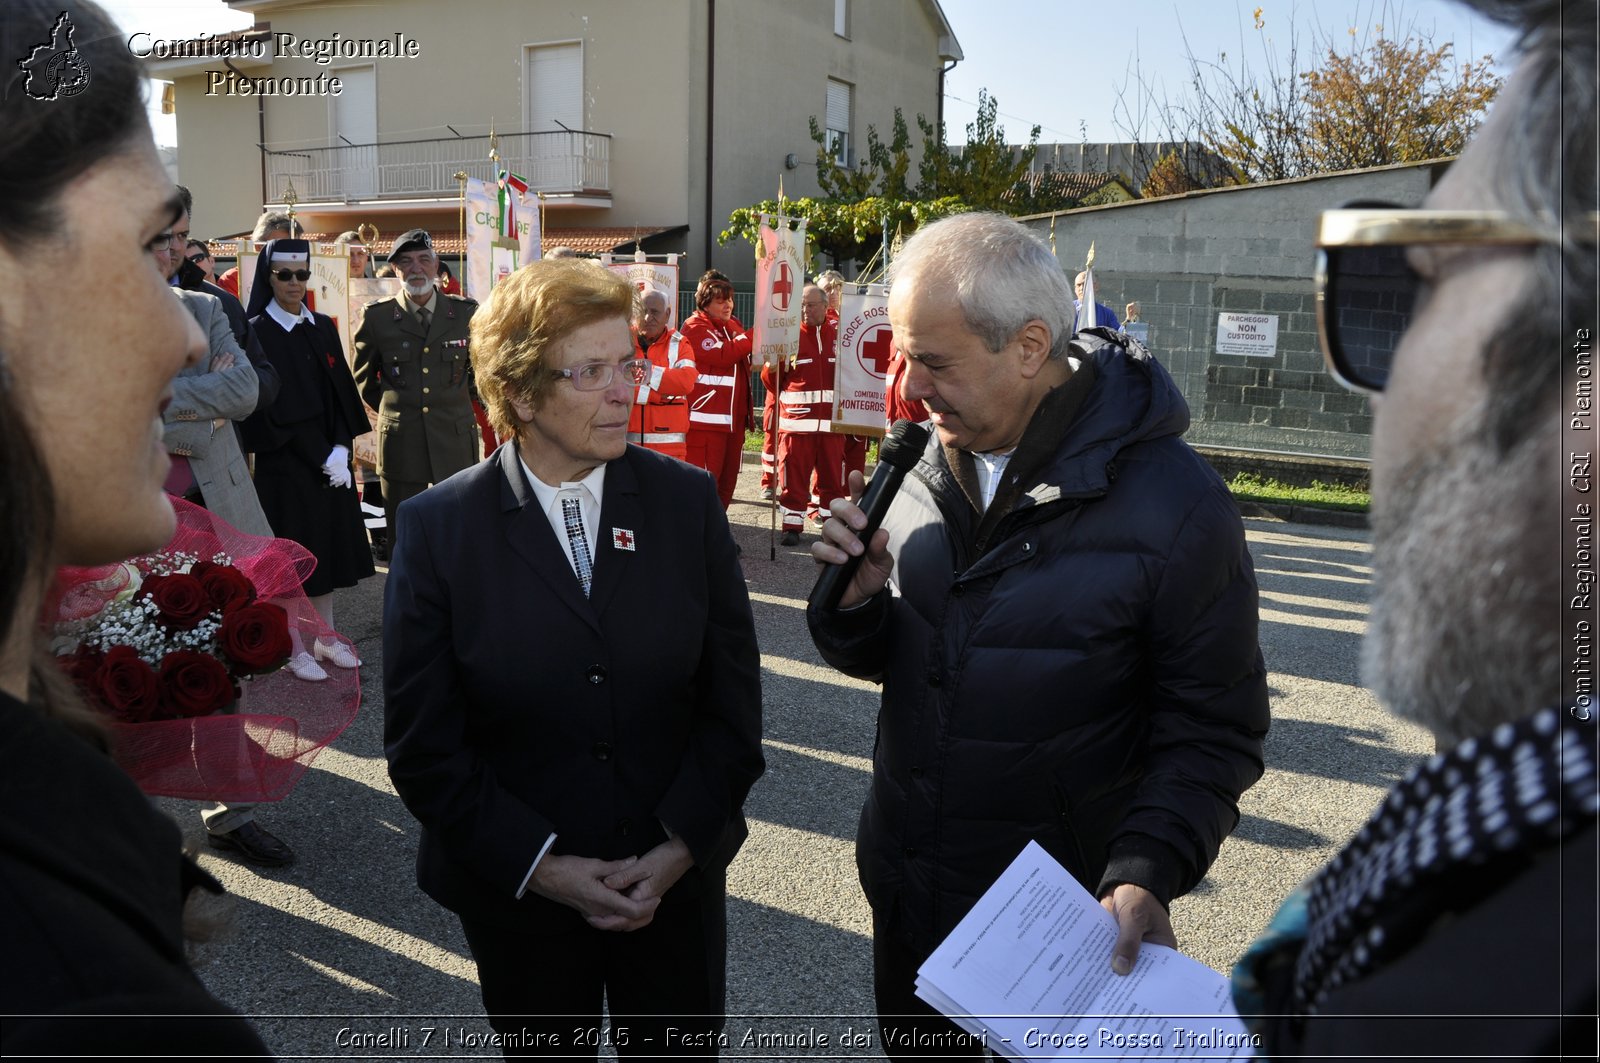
[(563, 161)]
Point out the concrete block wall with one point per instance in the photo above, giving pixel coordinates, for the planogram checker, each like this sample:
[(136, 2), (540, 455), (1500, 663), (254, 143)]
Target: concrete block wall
[(1185, 259)]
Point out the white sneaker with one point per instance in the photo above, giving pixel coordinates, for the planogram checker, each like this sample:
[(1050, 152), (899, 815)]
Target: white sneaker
[(304, 667), (338, 654)]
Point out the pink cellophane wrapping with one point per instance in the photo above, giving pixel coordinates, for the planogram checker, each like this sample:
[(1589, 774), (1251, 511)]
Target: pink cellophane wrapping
[(258, 752)]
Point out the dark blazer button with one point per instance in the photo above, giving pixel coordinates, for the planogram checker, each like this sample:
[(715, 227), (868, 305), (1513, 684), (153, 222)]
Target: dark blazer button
[(916, 771), (933, 679), (602, 751), (596, 674), (624, 826), (910, 851)]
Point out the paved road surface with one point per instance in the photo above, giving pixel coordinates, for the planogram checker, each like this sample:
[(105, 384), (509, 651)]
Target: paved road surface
[(342, 950)]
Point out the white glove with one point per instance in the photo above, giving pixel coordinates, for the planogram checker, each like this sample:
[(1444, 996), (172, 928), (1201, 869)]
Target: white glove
[(337, 468)]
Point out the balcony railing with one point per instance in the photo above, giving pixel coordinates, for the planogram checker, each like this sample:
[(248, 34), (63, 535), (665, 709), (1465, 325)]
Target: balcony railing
[(569, 162)]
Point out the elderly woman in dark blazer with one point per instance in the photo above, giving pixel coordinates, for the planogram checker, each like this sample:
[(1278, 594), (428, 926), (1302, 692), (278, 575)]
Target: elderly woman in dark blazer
[(578, 775)]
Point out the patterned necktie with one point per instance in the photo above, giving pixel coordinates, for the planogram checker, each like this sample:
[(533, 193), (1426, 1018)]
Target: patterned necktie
[(578, 542)]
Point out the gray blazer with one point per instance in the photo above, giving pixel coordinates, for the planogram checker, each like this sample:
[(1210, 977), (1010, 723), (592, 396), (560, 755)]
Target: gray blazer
[(200, 398)]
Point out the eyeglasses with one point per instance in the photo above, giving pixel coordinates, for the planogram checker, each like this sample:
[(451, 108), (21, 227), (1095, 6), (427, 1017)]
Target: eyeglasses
[(287, 275), (1367, 293), (597, 376), (199, 256)]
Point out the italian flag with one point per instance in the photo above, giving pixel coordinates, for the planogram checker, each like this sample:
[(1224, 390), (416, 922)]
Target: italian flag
[(512, 190)]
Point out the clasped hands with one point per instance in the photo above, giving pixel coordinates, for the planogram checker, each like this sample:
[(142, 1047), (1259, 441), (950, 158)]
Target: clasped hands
[(613, 894), (337, 468)]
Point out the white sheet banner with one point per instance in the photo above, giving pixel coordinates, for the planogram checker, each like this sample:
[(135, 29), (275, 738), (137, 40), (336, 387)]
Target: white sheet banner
[(779, 281), (364, 290), (487, 262), (860, 390), (653, 276), (483, 216)]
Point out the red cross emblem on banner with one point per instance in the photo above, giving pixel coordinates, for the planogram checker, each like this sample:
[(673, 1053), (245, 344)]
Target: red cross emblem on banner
[(875, 350), (622, 539), (782, 286)]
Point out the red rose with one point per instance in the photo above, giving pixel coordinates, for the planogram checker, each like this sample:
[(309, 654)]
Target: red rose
[(128, 686), (194, 684), (183, 602), (255, 638), (226, 586), (83, 664)]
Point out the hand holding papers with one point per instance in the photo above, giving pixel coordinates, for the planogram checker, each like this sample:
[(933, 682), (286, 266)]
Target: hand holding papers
[(1028, 969)]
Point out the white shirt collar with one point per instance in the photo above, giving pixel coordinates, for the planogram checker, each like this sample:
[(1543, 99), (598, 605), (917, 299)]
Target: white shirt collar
[(991, 468), (589, 491), (287, 320)]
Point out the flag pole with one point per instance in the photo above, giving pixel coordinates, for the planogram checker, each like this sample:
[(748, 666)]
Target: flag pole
[(461, 228), (777, 419)]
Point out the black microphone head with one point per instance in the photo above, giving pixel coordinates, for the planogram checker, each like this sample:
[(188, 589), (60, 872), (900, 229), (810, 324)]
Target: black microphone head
[(903, 445)]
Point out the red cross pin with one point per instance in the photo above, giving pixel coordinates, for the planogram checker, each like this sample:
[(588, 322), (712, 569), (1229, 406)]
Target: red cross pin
[(622, 539)]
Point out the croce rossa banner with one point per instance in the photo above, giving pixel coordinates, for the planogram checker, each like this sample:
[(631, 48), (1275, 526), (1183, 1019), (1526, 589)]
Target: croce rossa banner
[(775, 331), (865, 343)]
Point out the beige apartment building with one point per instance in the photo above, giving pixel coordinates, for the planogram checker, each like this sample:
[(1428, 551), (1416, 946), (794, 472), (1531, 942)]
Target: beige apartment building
[(639, 120)]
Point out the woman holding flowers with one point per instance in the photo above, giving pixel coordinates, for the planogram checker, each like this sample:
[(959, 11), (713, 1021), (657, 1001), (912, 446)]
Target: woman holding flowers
[(92, 878)]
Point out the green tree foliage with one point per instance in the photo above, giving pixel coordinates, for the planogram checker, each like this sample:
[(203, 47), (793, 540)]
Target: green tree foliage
[(984, 170), (846, 222), (844, 231), (1393, 101)]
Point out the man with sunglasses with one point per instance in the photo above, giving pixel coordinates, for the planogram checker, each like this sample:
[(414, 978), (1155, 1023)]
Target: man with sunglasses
[(412, 366), (198, 253), (1460, 921)]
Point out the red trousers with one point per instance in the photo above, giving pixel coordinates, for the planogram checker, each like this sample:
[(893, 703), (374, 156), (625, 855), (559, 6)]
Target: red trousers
[(799, 453), (855, 456), (718, 453), (769, 434)]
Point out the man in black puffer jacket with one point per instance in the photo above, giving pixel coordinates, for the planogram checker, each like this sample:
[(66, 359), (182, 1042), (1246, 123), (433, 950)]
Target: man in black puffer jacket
[(1061, 609)]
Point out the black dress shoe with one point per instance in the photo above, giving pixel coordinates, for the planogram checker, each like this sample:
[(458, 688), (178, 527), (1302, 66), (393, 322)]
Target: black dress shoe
[(254, 845), (790, 538)]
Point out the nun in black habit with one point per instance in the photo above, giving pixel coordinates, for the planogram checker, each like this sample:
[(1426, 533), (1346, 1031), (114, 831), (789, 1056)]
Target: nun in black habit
[(302, 442)]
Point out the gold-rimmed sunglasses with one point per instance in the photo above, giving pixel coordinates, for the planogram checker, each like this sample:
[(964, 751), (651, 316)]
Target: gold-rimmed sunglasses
[(1367, 292)]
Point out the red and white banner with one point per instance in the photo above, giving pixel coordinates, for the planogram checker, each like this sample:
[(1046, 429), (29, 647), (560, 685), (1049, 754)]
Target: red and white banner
[(860, 399), (779, 280), (652, 276)]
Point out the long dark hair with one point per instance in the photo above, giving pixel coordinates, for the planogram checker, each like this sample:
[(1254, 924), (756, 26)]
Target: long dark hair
[(56, 127)]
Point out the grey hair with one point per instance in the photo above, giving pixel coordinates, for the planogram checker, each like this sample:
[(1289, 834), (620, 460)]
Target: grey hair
[(1004, 276), (830, 278), (1546, 173), (270, 220)]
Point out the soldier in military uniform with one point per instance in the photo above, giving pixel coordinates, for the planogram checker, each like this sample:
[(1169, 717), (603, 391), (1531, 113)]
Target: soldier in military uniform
[(412, 367)]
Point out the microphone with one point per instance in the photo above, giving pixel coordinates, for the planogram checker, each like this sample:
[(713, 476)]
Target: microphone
[(897, 455)]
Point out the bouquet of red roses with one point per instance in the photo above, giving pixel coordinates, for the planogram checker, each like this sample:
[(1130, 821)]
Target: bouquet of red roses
[(161, 643), (175, 640)]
